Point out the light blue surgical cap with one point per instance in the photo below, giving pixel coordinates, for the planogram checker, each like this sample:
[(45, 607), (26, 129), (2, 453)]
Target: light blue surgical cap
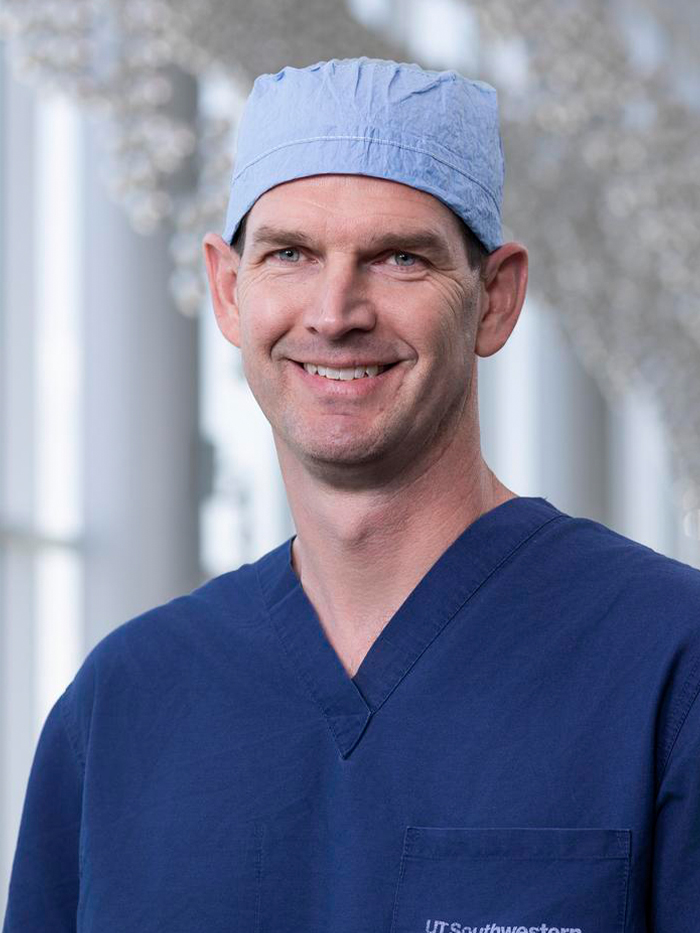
[(433, 130)]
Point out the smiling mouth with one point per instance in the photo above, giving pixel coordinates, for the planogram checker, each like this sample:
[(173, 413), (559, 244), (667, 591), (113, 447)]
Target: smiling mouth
[(346, 374)]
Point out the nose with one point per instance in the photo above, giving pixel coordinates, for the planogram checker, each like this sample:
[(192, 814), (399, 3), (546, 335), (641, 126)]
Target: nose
[(340, 303)]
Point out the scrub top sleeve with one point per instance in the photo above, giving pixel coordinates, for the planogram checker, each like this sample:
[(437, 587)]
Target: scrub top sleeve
[(674, 902), (44, 884)]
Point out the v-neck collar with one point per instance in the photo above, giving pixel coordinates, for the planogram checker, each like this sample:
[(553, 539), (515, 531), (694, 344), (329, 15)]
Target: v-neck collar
[(349, 703)]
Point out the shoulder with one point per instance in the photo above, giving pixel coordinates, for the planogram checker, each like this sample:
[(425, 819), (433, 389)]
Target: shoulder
[(226, 602), (168, 650), (640, 606), (652, 599), (591, 555)]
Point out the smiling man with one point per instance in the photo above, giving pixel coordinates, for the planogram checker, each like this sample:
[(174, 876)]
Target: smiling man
[(440, 707), (359, 312)]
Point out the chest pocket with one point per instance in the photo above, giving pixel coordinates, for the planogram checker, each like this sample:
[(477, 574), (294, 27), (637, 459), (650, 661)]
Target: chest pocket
[(515, 880)]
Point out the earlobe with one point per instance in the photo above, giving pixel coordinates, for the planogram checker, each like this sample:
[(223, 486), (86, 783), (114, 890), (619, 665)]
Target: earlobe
[(504, 287), (222, 272)]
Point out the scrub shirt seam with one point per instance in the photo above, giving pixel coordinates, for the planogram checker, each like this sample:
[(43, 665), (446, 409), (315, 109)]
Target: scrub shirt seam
[(371, 707), (75, 750), (523, 858), (625, 880), (67, 726), (681, 718), (464, 600), (299, 671), (259, 855), (399, 883)]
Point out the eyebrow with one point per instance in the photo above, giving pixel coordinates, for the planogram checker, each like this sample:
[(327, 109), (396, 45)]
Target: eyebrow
[(426, 241)]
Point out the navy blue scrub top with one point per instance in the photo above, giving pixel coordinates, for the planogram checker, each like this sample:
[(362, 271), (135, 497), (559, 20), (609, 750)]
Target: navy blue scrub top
[(519, 751)]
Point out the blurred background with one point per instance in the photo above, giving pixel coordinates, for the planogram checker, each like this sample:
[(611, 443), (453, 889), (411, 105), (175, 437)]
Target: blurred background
[(134, 462)]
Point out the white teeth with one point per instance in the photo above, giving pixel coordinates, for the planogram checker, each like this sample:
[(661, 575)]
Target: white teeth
[(357, 372)]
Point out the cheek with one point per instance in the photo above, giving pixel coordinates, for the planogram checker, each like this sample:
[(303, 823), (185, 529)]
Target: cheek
[(445, 316), (445, 338), (263, 320)]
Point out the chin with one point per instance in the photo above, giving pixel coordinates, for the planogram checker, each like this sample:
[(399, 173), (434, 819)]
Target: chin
[(345, 443), (338, 451), (339, 454)]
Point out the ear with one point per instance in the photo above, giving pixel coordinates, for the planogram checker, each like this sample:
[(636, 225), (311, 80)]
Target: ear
[(222, 270), (504, 283)]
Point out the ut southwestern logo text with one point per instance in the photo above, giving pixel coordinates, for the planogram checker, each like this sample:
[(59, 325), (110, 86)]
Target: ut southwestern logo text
[(444, 926)]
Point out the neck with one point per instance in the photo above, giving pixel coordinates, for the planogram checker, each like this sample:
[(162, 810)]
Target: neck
[(359, 552)]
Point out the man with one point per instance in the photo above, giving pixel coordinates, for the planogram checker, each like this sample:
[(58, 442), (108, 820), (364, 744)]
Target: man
[(440, 706)]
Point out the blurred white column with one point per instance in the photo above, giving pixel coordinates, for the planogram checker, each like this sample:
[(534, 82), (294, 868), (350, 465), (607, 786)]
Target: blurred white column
[(58, 441), (572, 438), (641, 492), (140, 409), (509, 416), (17, 426), (543, 418)]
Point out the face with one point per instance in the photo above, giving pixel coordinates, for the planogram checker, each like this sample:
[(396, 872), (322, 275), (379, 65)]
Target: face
[(364, 277)]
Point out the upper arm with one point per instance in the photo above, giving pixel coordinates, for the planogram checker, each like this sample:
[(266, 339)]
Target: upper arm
[(44, 885), (674, 898)]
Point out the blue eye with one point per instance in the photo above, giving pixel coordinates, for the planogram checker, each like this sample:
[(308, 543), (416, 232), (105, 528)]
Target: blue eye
[(287, 249), (409, 256)]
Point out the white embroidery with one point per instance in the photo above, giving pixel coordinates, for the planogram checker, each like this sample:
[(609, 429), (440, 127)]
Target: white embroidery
[(445, 926)]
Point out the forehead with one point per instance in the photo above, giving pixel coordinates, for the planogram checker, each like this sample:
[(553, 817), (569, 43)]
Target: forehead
[(351, 202)]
